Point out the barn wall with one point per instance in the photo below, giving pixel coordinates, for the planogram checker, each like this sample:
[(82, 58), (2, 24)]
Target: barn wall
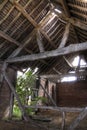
[(72, 94), (5, 93)]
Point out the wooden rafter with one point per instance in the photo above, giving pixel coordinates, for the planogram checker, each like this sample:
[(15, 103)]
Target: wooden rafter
[(28, 17), (65, 7), (3, 4), (67, 62), (2, 20), (54, 53), (74, 22), (65, 36), (80, 14), (39, 41), (5, 50), (59, 109), (67, 12), (78, 7), (58, 72), (11, 40), (18, 50), (8, 38)]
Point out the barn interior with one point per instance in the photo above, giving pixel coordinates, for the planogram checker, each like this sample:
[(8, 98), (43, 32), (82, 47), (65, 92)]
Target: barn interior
[(50, 35)]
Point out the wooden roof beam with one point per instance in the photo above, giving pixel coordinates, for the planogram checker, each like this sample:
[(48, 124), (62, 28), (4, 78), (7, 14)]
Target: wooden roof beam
[(67, 62), (8, 38), (71, 20), (67, 12), (58, 72), (67, 18), (65, 7), (59, 76), (54, 53), (39, 41), (65, 36), (11, 40), (78, 7), (3, 4), (30, 19), (18, 50), (79, 14)]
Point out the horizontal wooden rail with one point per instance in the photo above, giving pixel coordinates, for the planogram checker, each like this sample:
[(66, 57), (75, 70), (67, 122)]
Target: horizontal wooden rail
[(61, 109)]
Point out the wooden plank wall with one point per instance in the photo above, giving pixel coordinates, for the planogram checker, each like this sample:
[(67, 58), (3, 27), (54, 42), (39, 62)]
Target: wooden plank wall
[(72, 94)]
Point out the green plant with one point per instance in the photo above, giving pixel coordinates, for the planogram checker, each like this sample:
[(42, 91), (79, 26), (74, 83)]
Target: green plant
[(24, 88)]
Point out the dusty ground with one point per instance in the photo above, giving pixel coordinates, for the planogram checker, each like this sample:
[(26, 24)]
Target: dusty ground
[(54, 124)]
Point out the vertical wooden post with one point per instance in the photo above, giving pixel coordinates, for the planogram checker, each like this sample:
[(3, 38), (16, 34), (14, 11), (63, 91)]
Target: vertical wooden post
[(16, 95), (11, 105), (63, 121)]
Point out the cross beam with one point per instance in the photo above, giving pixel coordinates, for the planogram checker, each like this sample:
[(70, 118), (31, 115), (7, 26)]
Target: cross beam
[(56, 76), (48, 54)]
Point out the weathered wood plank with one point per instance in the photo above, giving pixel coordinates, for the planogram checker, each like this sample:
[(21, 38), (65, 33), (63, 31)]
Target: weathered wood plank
[(11, 40), (78, 7), (68, 62), (56, 76), (79, 14), (76, 122), (18, 50), (39, 41), (74, 22), (3, 4), (65, 7), (8, 38), (15, 94), (63, 121), (65, 36), (60, 109), (55, 53), (28, 17)]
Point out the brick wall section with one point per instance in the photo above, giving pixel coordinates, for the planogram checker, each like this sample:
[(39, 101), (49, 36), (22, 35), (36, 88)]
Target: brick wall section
[(50, 87), (5, 94), (72, 94)]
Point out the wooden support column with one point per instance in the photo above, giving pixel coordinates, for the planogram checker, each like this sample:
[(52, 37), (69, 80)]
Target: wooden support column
[(63, 121), (15, 94), (11, 105), (76, 122)]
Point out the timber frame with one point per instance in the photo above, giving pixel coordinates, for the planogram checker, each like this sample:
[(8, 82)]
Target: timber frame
[(41, 36)]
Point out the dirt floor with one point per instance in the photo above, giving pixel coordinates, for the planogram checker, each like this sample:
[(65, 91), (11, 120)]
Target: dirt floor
[(46, 120)]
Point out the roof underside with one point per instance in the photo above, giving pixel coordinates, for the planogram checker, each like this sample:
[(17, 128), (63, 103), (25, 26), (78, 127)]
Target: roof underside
[(36, 26)]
